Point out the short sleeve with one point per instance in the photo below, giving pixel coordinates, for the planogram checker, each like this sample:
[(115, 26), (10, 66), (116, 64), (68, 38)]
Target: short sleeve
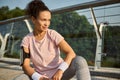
[(25, 42), (56, 37)]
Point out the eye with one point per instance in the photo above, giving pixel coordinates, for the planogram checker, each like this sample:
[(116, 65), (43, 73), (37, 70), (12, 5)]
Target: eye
[(42, 19)]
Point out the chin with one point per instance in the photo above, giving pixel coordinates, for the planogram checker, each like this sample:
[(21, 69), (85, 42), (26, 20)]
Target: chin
[(44, 29)]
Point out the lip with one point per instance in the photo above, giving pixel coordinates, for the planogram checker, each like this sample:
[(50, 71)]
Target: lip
[(45, 27)]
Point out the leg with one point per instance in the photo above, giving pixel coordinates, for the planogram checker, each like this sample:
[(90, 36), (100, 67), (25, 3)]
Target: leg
[(82, 70), (70, 72), (22, 77), (79, 67)]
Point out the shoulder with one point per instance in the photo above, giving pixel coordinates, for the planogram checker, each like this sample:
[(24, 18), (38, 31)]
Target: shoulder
[(26, 40), (55, 36), (52, 32)]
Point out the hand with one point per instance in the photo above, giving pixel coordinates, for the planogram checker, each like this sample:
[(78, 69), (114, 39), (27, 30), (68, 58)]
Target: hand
[(58, 75), (44, 78)]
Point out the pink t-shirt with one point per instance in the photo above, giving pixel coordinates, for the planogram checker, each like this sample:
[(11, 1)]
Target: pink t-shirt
[(45, 54)]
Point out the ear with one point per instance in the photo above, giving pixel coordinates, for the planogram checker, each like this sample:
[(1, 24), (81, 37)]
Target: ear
[(33, 19)]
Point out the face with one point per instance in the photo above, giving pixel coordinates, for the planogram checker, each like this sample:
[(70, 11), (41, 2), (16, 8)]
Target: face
[(42, 22)]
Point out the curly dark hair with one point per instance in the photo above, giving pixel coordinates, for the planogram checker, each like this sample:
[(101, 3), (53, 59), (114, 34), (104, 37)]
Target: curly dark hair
[(34, 7)]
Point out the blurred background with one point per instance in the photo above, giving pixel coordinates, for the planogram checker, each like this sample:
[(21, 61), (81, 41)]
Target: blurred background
[(76, 25)]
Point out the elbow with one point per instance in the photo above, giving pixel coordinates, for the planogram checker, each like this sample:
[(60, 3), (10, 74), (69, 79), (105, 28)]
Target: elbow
[(74, 55), (25, 66)]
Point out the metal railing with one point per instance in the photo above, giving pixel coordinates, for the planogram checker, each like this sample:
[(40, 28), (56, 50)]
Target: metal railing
[(91, 4), (87, 5)]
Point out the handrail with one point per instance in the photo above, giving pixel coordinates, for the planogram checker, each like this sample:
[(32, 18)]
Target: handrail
[(96, 3), (13, 19)]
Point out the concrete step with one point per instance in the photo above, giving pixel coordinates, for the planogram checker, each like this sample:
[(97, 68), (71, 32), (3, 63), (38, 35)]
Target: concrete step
[(10, 70), (105, 72)]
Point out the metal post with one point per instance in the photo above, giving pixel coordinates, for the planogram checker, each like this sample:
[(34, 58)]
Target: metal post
[(3, 45), (99, 42), (28, 25), (100, 38), (95, 23)]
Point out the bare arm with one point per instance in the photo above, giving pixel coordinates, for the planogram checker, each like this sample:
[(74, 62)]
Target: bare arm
[(29, 70), (26, 64), (70, 54), (64, 46)]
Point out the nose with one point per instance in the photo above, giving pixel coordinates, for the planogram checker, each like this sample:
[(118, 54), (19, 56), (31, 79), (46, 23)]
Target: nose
[(47, 23)]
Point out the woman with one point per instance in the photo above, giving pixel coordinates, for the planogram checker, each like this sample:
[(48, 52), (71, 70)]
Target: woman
[(43, 46)]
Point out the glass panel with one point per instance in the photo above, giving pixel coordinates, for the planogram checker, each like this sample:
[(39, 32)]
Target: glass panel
[(112, 47), (78, 32), (17, 30)]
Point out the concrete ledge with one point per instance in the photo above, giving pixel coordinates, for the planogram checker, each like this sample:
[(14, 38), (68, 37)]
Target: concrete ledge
[(106, 72), (12, 66)]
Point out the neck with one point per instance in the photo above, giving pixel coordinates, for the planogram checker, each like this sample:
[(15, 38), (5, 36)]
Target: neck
[(38, 33)]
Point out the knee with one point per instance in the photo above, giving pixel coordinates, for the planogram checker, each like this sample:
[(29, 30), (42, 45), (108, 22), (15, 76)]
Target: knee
[(79, 60)]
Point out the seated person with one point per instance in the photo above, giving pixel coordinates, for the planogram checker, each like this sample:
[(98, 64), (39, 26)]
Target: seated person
[(42, 47)]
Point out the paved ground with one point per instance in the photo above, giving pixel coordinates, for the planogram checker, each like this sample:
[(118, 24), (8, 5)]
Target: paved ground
[(10, 70)]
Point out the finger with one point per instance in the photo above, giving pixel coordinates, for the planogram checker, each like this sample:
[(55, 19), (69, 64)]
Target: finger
[(55, 78), (45, 76), (46, 79)]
